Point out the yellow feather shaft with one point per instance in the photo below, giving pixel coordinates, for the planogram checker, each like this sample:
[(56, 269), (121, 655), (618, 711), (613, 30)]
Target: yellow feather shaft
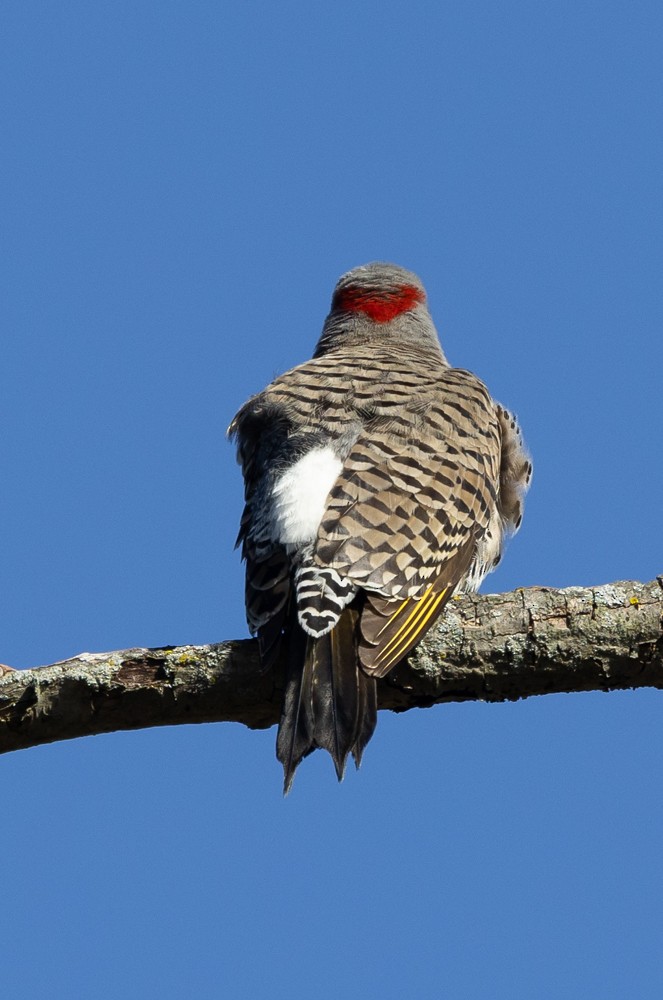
[(425, 608), (394, 615), (409, 617), (397, 652), (407, 626)]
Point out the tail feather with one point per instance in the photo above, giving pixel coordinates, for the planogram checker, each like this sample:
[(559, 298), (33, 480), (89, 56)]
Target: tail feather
[(368, 714), (336, 692), (330, 703), (295, 736)]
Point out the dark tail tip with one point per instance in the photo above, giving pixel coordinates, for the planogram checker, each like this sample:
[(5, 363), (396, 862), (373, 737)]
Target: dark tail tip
[(329, 703), (288, 778)]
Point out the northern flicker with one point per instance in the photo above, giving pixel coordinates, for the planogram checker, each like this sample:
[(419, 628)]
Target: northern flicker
[(379, 481)]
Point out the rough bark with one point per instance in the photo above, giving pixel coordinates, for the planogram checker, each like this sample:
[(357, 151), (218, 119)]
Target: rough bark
[(487, 647)]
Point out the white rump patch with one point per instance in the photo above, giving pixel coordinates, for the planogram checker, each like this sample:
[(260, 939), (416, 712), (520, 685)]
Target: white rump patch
[(299, 496)]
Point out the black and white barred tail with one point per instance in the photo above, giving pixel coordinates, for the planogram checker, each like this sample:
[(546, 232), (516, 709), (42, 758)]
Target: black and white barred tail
[(322, 594)]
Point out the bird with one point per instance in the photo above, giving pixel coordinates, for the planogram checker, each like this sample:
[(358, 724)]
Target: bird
[(380, 481)]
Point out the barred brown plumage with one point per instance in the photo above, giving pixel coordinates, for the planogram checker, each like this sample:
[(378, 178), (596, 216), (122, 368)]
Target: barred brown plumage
[(379, 481)]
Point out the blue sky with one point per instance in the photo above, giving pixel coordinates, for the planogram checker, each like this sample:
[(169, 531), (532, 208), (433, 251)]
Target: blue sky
[(182, 184)]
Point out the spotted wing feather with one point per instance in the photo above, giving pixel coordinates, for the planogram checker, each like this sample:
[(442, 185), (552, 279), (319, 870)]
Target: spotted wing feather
[(404, 520)]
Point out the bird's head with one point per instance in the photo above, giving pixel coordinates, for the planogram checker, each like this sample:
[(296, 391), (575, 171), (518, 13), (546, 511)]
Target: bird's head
[(379, 302)]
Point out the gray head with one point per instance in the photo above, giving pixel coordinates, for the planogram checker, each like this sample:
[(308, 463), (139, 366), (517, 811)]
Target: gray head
[(379, 302)]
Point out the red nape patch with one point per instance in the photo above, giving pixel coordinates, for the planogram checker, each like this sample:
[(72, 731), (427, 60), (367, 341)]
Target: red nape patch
[(378, 306)]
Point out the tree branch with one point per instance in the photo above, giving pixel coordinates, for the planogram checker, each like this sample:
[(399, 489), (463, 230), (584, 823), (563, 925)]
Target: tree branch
[(486, 647)]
